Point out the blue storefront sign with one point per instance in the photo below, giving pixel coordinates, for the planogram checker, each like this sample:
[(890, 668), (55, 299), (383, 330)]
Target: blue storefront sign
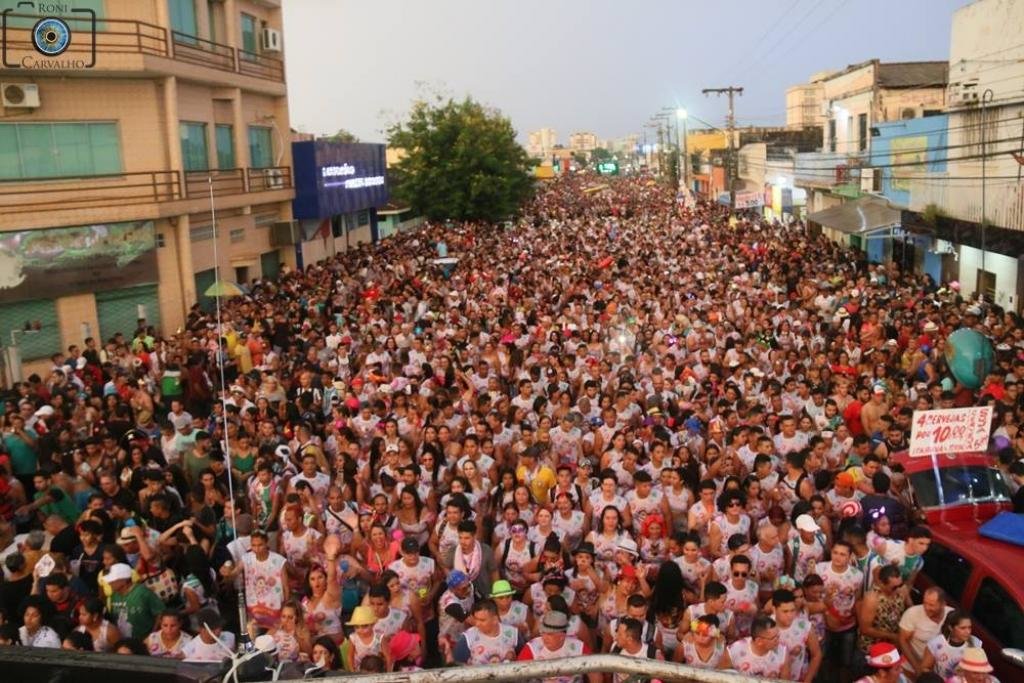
[(336, 178)]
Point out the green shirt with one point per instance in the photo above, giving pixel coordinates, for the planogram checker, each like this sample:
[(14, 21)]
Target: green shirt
[(24, 459), (136, 611), (62, 505), (194, 464)]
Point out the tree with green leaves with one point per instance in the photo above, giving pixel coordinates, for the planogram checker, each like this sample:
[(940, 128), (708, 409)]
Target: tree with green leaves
[(599, 154), (462, 162), (342, 136)]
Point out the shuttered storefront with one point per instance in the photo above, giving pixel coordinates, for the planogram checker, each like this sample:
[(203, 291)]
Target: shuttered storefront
[(35, 344), (118, 310)]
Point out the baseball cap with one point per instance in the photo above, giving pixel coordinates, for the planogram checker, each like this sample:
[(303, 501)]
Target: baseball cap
[(410, 545), (457, 578), (807, 523), (118, 572)]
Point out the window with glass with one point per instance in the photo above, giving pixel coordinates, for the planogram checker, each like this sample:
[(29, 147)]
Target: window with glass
[(949, 570), (250, 43), (48, 150), (261, 151), (996, 610), (194, 156), (183, 16), (225, 146)]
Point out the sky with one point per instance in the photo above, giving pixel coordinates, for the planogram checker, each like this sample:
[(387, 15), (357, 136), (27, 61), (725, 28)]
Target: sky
[(604, 66)]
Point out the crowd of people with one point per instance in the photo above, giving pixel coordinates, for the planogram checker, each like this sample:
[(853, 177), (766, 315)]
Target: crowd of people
[(619, 423)]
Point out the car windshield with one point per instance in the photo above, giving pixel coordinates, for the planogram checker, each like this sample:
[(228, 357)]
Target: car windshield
[(959, 484)]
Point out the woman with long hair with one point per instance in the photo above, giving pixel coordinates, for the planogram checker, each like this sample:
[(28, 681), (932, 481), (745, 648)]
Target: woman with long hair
[(668, 605), (412, 516), (322, 605), (91, 622), (605, 538), (942, 654)]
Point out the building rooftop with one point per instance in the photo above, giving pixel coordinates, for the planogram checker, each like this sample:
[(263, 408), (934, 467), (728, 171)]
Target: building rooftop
[(912, 74), (902, 74)]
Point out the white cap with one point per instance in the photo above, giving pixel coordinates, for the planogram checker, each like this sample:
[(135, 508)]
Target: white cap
[(807, 523), (118, 572)]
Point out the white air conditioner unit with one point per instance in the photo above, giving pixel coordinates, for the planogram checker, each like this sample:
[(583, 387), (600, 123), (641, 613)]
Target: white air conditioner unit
[(275, 178), (271, 40), (20, 95)]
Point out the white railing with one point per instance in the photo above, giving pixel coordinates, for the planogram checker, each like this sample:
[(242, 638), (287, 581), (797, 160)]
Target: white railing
[(571, 666)]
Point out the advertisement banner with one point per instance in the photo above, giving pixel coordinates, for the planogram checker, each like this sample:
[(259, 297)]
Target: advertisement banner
[(333, 178), (954, 430), (749, 200), (55, 262), (908, 150)]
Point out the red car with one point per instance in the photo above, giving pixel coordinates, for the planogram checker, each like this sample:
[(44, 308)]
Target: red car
[(979, 574)]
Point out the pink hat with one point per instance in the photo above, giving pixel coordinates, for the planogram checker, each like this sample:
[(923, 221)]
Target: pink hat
[(402, 644)]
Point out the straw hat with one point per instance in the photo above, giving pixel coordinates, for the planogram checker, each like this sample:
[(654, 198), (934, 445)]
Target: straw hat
[(362, 616), (975, 661)]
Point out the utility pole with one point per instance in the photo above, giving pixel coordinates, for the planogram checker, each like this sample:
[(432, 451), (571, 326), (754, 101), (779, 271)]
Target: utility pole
[(730, 124)]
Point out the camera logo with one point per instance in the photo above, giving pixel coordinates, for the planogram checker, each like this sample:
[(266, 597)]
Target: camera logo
[(51, 36), (59, 28)]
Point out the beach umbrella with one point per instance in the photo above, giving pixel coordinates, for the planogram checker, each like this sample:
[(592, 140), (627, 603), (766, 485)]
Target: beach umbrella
[(225, 289)]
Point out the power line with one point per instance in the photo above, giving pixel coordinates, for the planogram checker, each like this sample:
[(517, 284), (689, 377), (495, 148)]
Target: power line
[(753, 47), (764, 60), (785, 34)]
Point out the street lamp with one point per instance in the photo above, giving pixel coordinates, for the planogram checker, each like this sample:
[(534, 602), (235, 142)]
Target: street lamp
[(681, 115)]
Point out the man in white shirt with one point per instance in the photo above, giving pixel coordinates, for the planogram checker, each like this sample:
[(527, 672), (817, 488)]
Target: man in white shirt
[(207, 646), (921, 623)]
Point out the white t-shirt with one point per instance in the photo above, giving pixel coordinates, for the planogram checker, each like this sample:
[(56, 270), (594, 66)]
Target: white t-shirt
[(196, 650), (922, 626)]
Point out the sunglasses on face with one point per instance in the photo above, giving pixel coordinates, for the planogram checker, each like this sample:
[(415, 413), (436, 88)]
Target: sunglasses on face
[(741, 575)]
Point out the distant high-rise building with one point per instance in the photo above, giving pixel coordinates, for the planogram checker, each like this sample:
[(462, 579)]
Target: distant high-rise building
[(582, 141), (542, 142)]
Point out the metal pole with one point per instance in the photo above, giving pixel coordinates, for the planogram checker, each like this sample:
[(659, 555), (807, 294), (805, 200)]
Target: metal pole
[(569, 666), (986, 97), (730, 91), (221, 349)]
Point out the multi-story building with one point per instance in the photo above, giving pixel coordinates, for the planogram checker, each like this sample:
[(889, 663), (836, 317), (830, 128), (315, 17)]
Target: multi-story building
[(804, 103), (541, 143), (118, 149), (969, 196), (855, 100), (582, 142)]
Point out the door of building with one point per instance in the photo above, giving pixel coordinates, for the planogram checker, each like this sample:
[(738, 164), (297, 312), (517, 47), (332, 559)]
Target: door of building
[(987, 284)]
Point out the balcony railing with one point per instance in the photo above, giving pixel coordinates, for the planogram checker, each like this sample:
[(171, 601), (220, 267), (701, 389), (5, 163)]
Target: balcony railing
[(272, 178), (117, 189), (127, 36), (22, 195), (260, 65), (224, 181), (203, 52), (112, 36)]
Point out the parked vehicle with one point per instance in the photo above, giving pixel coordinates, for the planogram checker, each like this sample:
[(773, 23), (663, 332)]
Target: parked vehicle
[(980, 574)]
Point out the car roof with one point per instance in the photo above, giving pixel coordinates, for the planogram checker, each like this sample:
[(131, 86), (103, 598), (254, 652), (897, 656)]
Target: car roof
[(915, 465), (1000, 559)]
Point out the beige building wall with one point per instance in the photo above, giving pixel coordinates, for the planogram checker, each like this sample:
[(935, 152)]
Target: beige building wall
[(148, 95)]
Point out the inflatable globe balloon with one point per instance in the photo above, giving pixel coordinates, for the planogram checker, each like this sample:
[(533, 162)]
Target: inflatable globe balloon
[(970, 357)]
